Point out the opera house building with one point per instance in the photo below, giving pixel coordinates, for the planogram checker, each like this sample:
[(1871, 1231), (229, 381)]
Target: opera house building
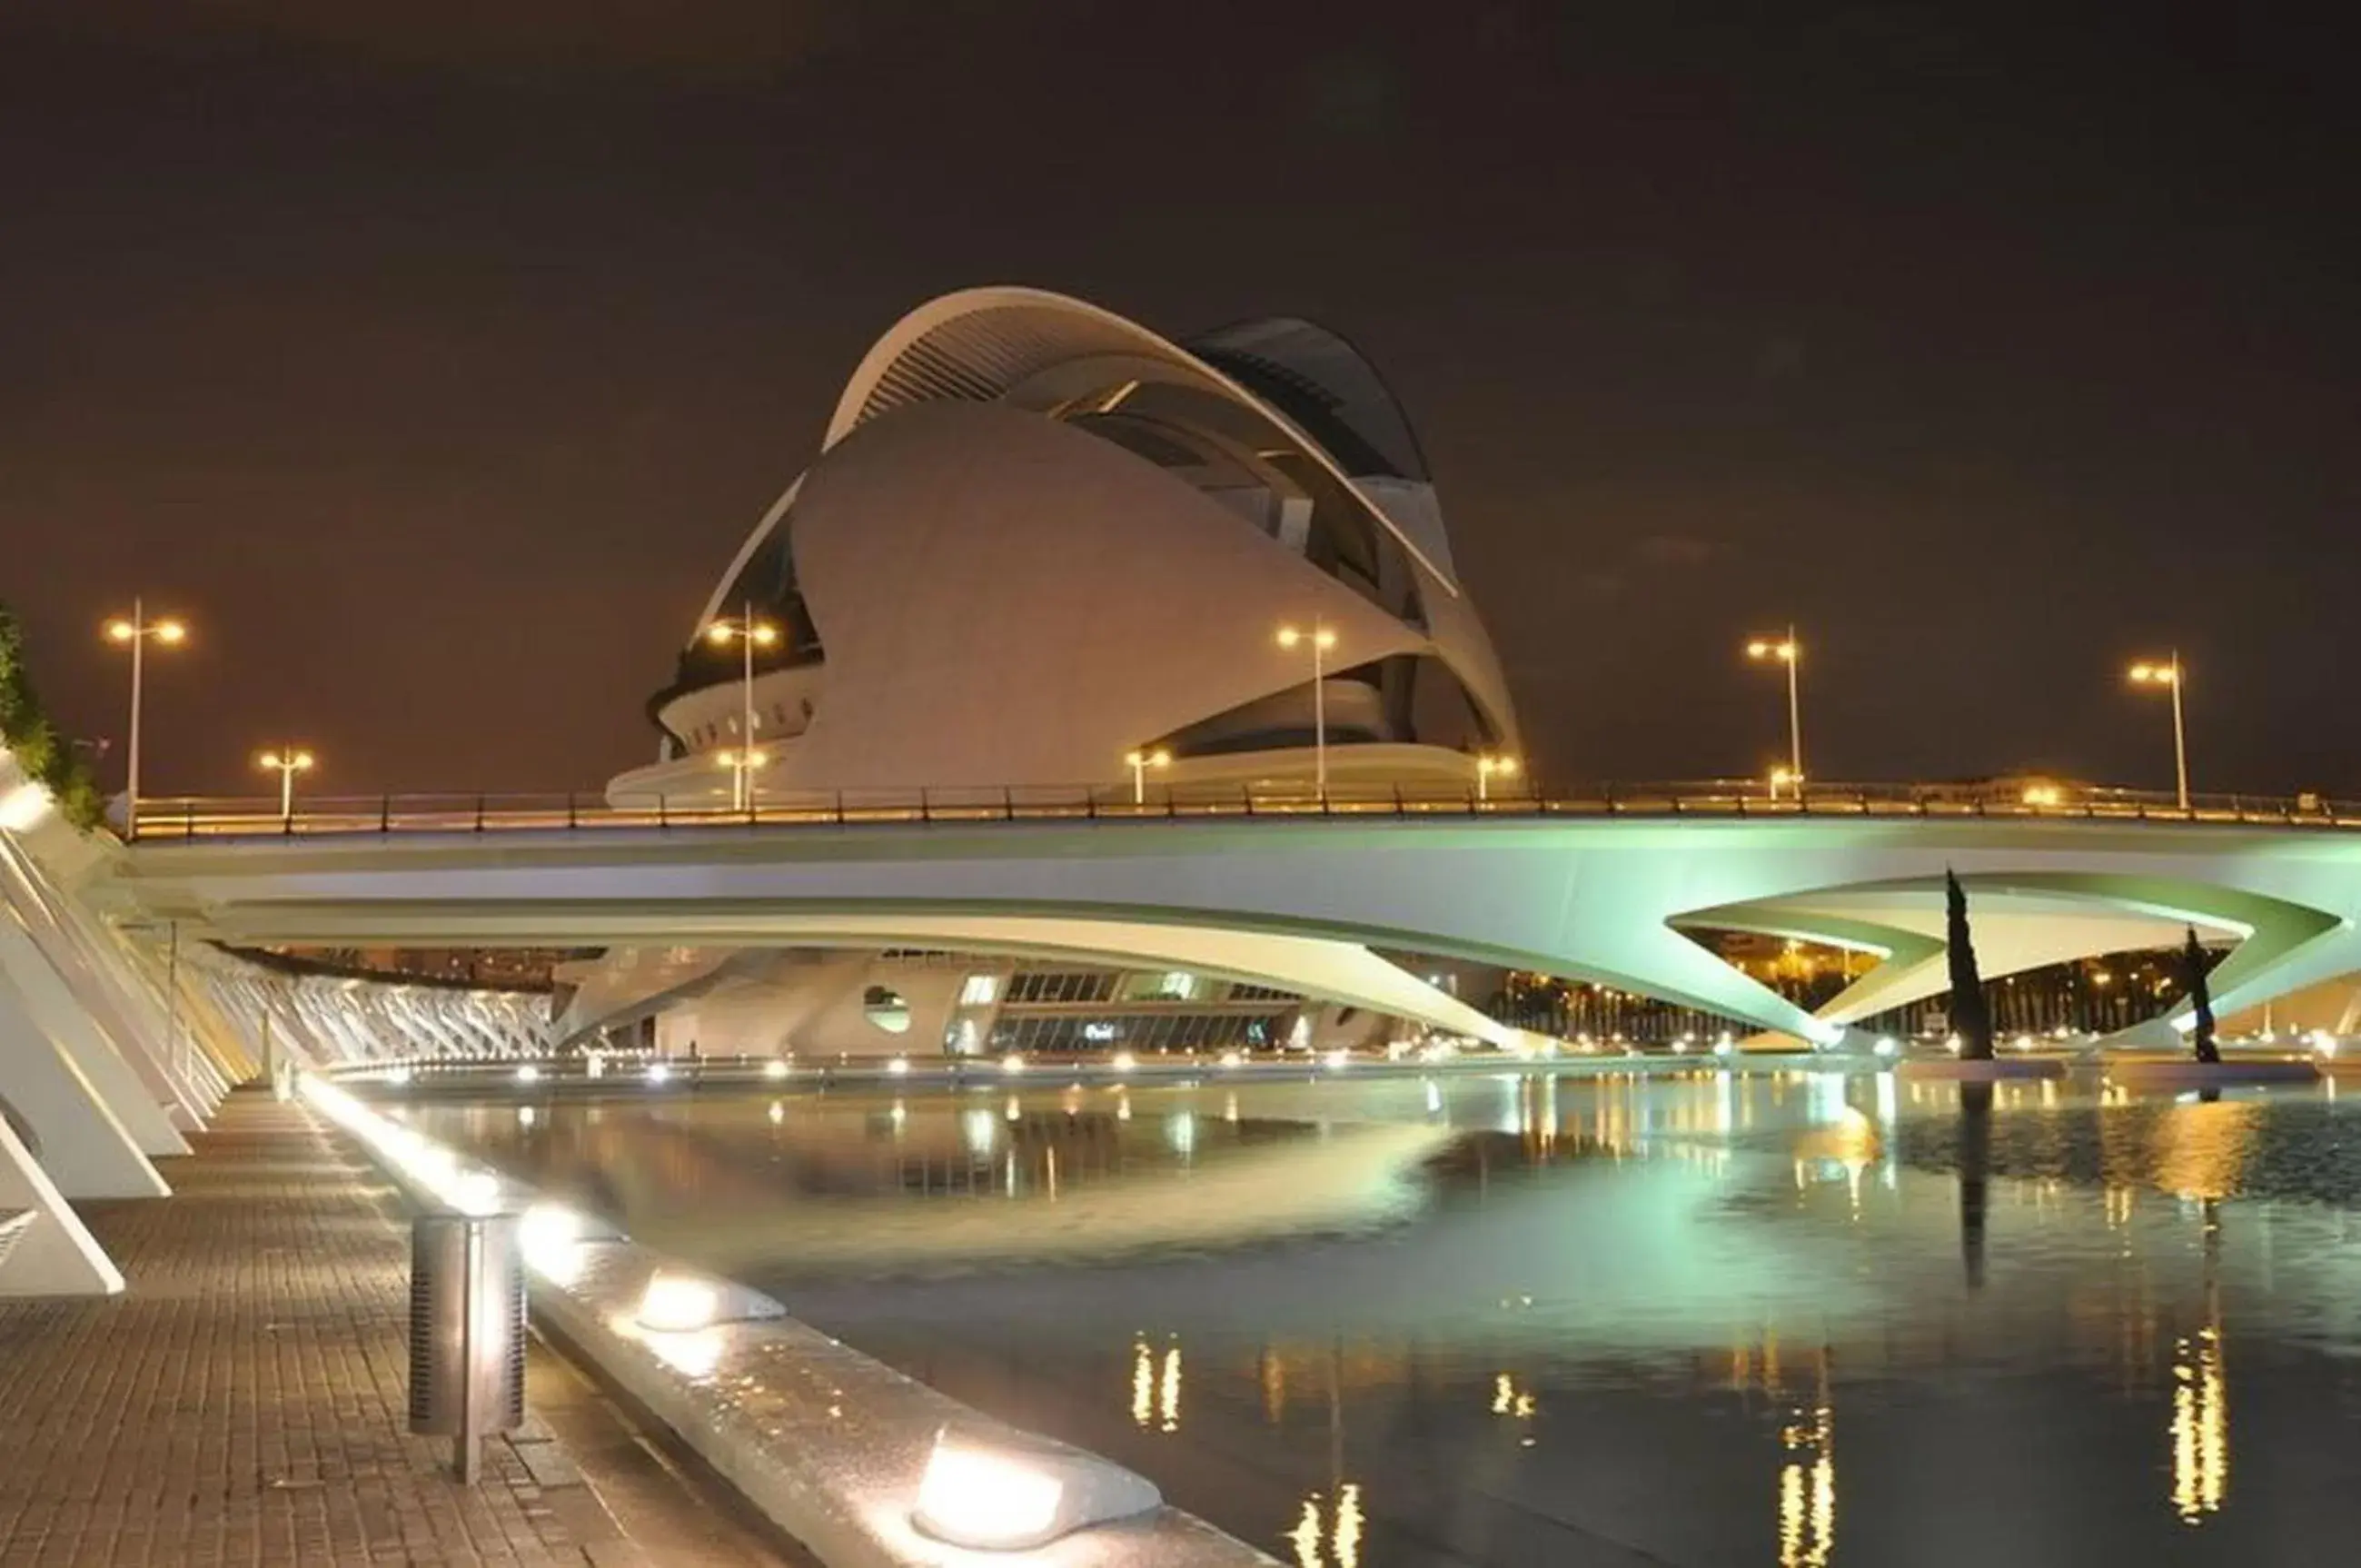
[(1045, 549)]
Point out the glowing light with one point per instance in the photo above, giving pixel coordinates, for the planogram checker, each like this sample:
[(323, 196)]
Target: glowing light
[(400, 1074), (659, 1073), (695, 1354), (1233, 1058), (528, 1073), (677, 1304), (775, 1068), (971, 1497), (2024, 1042), (1123, 1061), (1012, 1063), (526, 1116), (2324, 1042), (1322, 637), (1337, 1060), (899, 1067), (2201, 1426), (474, 1192), (1887, 1047), (23, 807), (550, 1236)]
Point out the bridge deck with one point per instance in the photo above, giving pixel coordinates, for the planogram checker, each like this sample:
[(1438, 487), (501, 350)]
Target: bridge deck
[(329, 817)]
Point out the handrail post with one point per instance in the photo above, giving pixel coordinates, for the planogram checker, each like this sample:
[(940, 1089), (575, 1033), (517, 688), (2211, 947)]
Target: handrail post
[(1397, 799), (1246, 792), (479, 813), (189, 817), (840, 808), (385, 813), (664, 816), (926, 813), (572, 818), (1008, 803)]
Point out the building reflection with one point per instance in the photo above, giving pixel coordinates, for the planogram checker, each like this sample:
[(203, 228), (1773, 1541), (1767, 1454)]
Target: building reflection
[(2200, 1431), (1329, 1537), (1808, 1481)]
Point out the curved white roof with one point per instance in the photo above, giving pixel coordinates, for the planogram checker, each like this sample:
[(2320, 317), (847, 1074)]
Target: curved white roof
[(978, 344)]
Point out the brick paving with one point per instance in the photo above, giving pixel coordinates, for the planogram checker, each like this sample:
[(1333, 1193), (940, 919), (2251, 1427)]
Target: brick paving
[(245, 1402)]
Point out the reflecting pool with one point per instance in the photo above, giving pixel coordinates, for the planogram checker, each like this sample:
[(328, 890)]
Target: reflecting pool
[(1517, 1319)]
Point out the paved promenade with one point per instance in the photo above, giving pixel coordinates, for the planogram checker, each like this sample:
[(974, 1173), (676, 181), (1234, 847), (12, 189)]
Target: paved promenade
[(245, 1402)]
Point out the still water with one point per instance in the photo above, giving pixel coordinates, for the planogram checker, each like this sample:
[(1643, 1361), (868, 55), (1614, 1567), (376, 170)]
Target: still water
[(1513, 1320)]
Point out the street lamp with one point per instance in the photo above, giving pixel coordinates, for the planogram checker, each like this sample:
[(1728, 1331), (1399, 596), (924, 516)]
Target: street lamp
[(133, 631), (1790, 652), (1486, 766), (285, 763), (2172, 674), (749, 634), (1786, 778), (1322, 639), (742, 764), (1139, 762)]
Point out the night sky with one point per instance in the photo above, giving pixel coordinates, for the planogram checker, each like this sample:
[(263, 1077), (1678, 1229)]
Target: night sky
[(435, 364)]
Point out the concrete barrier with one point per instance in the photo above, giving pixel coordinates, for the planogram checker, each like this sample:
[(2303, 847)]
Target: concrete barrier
[(830, 1445)]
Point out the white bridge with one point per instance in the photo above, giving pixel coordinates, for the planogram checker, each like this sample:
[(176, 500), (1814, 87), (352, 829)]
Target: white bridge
[(1606, 886), (122, 1021)]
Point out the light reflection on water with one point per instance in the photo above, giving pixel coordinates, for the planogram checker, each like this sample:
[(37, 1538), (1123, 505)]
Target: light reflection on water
[(1628, 1314)]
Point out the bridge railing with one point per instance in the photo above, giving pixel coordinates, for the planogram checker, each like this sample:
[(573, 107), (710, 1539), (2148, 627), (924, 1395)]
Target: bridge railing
[(198, 817)]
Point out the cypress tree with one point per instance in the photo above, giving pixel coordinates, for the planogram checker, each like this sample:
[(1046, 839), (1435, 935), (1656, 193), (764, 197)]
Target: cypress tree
[(1971, 1019), (2200, 997)]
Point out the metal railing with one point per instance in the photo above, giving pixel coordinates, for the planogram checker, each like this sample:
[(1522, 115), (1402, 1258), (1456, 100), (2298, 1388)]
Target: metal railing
[(194, 818)]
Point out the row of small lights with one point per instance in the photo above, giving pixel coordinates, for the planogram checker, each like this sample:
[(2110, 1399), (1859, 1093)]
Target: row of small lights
[(971, 1493)]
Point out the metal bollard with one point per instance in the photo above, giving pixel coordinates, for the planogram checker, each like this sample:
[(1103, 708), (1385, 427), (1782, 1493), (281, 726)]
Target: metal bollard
[(467, 1332)]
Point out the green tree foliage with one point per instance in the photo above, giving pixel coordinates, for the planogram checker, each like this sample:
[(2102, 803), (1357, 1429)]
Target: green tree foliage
[(39, 750)]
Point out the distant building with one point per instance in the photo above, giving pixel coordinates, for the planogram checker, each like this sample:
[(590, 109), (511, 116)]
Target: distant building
[(1040, 539)]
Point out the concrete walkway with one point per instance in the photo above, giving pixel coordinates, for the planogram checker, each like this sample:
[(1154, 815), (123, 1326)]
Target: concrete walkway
[(245, 1403)]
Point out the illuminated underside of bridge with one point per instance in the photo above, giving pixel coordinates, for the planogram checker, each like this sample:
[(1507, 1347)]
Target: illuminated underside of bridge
[(1301, 901)]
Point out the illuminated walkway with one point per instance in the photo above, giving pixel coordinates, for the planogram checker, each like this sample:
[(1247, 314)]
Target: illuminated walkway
[(245, 1402)]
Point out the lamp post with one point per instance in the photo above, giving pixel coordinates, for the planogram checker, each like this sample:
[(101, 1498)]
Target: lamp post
[(287, 761), (1486, 766), (742, 764), (134, 631), (748, 633), (1322, 639), (1790, 652), (1139, 762), (1784, 777), (2172, 674)]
